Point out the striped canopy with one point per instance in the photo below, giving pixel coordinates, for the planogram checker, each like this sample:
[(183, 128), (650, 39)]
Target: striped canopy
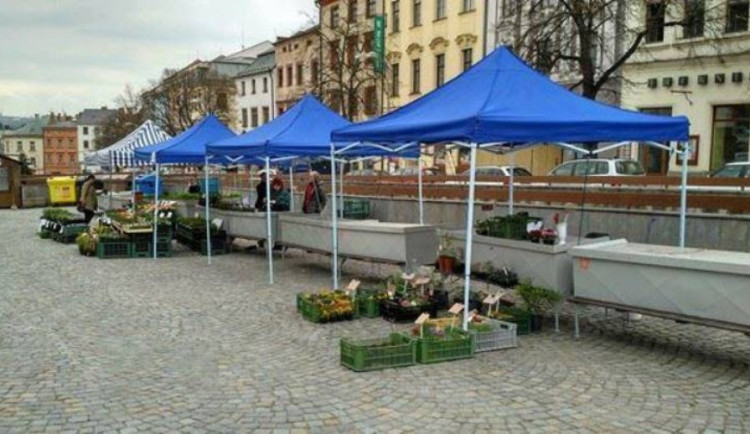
[(121, 153)]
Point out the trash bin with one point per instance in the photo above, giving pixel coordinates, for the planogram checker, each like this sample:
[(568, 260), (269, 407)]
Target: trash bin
[(62, 190), (146, 184), (213, 186)]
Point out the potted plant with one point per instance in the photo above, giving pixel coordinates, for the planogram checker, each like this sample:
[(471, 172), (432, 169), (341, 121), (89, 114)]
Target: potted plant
[(404, 302), (538, 301), (447, 255), (441, 340)]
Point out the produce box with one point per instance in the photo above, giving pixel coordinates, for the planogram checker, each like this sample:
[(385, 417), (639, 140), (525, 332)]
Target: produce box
[(392, 351), (112, 248), (368, 303), (393, 311), (519, 317), (451, 344), (326, 306), (491, 334)]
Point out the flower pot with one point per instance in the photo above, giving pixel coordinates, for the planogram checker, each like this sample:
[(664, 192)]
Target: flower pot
[(446, 264), (562, 232)]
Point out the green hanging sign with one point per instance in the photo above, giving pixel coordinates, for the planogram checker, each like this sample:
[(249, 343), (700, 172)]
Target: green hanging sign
[(379, 43)]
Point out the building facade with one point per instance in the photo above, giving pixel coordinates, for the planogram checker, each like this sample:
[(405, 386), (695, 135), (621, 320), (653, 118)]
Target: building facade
[(297, 69), (28, 141), (60, 138), (89, 123), (255, 93), (702, 71)]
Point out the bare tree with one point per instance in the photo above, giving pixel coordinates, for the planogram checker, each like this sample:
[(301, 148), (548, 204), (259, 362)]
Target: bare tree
[(587, 42), (182, 97), (129, 116)]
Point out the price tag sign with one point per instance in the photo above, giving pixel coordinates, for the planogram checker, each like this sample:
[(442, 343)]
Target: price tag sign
[(456, 308), (391, 289), (422, 319), (422, 281), (489, 299), (407, 277), (353, 285)]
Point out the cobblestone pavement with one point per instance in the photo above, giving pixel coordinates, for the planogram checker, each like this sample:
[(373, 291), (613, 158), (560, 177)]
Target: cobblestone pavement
[(177, 345)]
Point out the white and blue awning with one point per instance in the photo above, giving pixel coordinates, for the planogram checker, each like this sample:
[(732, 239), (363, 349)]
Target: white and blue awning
[(121, 153)]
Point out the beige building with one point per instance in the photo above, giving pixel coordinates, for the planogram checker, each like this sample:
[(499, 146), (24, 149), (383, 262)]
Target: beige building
[(28, 140), (700, 71), (297, 68)]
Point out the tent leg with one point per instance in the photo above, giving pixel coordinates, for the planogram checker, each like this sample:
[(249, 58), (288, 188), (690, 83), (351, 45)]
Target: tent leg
[(156, 211), (132, 187), (208, 215), (421, 197), (111, 168), (469, 234), (291, 187), (334, 226), (269, 235), (511, 186), (683, 194), (341, 178)]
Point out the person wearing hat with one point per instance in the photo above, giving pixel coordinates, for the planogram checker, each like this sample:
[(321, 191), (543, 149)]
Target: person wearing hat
[(315, 197)]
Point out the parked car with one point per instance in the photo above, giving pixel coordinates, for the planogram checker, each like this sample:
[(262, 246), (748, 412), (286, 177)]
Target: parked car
[(414, 171), (498, 171), (599, 167), (365, 172), (739, 169)]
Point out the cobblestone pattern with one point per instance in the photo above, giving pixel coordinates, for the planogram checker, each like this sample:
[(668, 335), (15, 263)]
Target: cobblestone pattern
[(176, 345)]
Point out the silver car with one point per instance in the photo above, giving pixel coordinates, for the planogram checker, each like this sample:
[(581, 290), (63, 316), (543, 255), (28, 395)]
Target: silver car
[(599, 167)]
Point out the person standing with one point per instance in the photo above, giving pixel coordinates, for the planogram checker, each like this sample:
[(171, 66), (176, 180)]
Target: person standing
[(279, 196), (315, 198), (260, 192), (87, 203)]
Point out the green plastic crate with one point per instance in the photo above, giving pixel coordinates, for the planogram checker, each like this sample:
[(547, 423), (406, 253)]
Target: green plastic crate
[(457, 345), (367, 304), (219, 246), (356, 209), (164, 249), (519, 317), (312, 313), (45, 234), (141, 249), (113, 248), (393, 351)]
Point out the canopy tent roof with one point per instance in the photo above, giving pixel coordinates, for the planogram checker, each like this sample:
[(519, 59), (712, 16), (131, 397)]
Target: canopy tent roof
[(189, 146), (302, 131), (503, 100), (121, 152)]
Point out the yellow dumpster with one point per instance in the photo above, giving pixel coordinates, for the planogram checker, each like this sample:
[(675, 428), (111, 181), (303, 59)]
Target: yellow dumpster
[(62, 190)]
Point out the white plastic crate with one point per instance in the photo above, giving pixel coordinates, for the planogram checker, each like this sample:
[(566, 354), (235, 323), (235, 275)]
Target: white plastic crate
[(502, 335)]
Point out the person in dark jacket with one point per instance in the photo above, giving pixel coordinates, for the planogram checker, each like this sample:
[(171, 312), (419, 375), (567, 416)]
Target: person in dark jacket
[(260, 192), (88, 203), (315, 197), (279, 196)]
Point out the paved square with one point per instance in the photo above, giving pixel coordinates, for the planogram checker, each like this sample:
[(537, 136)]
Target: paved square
[(176, 345)]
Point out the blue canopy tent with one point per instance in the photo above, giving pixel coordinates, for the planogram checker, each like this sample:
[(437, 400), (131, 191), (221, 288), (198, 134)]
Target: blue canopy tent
[(302, 131), (501, 101), (189, 147)]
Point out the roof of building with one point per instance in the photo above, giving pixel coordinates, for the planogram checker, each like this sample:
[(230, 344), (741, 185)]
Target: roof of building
[(252, 51), (299, 34), (33, 128), (264, 63), (95, 116)]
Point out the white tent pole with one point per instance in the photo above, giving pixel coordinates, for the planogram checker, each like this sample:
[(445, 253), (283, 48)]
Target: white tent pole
[(419, 175), (111, 167), (132, 185), (469, 234), (269, 236), (208, 213), (334, 227), (156, 207), (341, 177), (510, 186), (683, 193), (291, 187)]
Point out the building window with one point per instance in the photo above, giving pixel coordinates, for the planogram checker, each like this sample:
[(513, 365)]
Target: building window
[(439, 70), (695, 18), (333, 59), (59, 143), (371, 100), (300, 74), (289, 76), (252, 86), (439, 9), (508, 7), (32, 146), (242, 89), (367, 48), (280, 76), (416, 13), (415, 73), (351, 49), (655, 22), (244, 118), (85, 130), (85, 144), (396, 15), (97, 130), (467, 5), (32, 161), (314, 70), (395, 79), (737, 15), (352, 14), (334, 22), (19, 147), (265, 84), (71, 158), (254, 117), (730, 134), (467, 58), (370, 8), (353, 106), (266, 115)]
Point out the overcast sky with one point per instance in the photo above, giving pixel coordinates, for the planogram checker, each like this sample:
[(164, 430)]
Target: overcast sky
[(67, 55)]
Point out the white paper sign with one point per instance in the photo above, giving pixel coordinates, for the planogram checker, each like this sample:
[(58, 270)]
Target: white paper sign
[(422, 318), (353, 285), (456, 308)]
